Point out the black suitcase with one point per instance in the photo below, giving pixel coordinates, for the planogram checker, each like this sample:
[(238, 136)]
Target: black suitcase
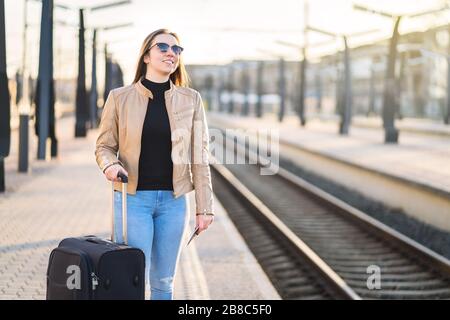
[(89, 268)]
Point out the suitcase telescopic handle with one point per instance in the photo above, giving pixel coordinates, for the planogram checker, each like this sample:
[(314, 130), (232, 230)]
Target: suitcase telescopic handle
[(124, 181), (122, 176)]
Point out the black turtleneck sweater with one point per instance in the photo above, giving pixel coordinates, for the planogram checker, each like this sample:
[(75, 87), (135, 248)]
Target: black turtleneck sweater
[(155, 162)]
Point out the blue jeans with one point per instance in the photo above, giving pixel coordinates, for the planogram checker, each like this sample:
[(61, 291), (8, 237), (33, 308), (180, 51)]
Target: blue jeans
[(156, 223)]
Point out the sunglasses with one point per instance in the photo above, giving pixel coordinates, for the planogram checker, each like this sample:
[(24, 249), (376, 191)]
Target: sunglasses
[(164, 47)]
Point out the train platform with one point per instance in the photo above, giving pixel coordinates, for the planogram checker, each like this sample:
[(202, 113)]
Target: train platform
[(408, 125), (226, 269), (413, 175), (68, 196)]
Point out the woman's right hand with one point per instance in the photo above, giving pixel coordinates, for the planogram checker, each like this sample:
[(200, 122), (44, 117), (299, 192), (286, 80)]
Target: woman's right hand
[(112, 171)]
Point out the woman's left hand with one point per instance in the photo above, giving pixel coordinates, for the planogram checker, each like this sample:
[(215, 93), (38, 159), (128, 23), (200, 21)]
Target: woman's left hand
[(203, 222)]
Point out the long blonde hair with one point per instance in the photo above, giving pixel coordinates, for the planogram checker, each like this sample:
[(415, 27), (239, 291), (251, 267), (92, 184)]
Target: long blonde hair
[(179, 77)]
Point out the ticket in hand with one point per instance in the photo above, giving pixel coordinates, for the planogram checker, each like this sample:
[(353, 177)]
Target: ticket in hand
[(193, 235)]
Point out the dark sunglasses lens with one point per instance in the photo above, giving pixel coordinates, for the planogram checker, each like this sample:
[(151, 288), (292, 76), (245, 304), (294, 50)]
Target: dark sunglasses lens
[(177, 49), (163, 47)]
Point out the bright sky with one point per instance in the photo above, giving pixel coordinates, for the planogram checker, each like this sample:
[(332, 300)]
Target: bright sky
[(211, 31)]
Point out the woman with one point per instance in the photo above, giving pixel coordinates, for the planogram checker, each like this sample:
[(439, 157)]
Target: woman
[(157, 126)]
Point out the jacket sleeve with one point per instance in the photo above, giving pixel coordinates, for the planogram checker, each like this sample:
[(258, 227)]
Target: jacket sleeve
[(107, 144), (200, 160)]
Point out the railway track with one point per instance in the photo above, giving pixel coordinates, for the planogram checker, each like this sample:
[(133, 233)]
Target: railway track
[(314, 246)]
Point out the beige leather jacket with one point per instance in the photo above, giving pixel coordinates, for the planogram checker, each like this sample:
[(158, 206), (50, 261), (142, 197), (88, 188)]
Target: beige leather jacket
[(119, 140)]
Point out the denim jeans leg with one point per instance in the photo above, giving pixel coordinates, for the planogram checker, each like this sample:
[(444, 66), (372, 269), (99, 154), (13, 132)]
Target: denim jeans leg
[(139, 223), (170, 219)]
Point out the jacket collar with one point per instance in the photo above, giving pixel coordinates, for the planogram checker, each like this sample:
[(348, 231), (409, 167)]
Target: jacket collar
[(147, 93)]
